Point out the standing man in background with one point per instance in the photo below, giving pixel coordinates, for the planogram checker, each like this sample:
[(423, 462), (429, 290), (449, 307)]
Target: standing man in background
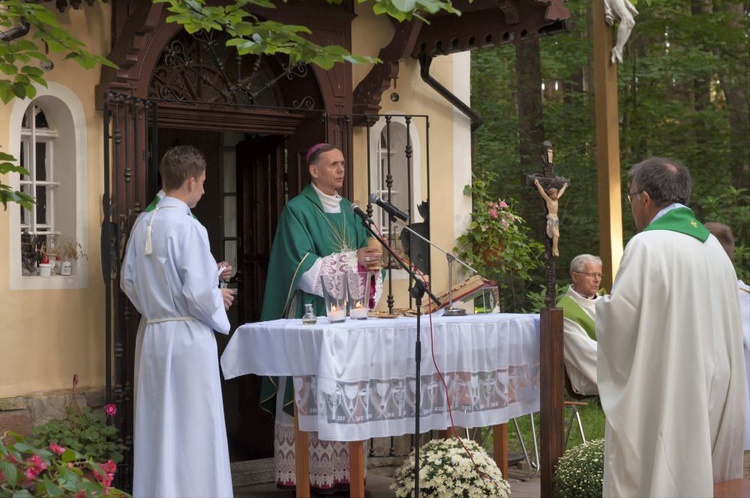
[(171, 278), (670, 367), (726, 238)]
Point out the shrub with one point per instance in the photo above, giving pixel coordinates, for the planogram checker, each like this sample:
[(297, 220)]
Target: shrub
[(580, 471)]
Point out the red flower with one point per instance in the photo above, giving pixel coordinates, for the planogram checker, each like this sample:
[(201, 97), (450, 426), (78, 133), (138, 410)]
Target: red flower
[(56, 449), (111, 409)]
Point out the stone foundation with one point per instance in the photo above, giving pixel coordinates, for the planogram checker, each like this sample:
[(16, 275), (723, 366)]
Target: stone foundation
[(21, 414)]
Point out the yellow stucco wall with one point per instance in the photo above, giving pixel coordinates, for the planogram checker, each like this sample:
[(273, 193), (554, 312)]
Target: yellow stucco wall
[(49, 335), (46, 336)]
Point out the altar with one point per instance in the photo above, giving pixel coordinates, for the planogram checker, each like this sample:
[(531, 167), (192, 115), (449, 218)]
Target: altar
[(355, 380)]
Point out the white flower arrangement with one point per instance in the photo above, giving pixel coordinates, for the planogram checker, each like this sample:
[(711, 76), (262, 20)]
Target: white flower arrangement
[(580, 471), (445, 470)]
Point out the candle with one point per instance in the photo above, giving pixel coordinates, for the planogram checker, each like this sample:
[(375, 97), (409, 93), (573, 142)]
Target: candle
[(336, 314), (359, 312)]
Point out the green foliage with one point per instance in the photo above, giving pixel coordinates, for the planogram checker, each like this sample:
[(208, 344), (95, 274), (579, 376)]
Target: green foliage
[(445, 469), (7, 194), (497, 243), (83, 431), (731, 207), (249, 34), (687, 100), (27, 469), (580, 471), (20, 59)]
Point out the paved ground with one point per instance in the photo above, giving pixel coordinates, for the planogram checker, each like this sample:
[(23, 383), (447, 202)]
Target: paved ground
[(378, 487)]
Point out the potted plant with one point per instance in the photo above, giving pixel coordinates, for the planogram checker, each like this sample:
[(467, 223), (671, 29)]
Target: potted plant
[(67, 251), (447, 468), (497, 243), (580, 471)]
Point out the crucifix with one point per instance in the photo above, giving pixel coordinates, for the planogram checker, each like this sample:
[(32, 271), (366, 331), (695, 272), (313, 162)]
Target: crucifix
[(552, 371), (551, 188)]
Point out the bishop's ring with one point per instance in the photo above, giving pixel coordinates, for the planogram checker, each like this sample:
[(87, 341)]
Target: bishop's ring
[(367, 259)]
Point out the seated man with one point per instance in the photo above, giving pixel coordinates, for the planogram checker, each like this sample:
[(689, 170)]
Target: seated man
[(579, 313)]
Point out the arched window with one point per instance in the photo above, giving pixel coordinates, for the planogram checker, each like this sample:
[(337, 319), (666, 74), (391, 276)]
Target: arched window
[(48, 137), (397, 174)]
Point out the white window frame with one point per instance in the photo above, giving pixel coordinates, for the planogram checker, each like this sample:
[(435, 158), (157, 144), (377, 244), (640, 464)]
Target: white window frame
[(378, 172), (30, 137), (377, 159), (64, 112)]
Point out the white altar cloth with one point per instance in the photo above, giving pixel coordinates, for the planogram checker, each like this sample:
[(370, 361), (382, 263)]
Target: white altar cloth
[(355, 380)]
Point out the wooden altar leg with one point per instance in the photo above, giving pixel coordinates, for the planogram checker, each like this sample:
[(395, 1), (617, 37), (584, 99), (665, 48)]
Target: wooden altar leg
[(302, 458), (356, 469), (500, 447)]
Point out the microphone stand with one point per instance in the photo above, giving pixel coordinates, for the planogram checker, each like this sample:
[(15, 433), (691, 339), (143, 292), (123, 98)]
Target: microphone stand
[(450, 310), (417, 291)]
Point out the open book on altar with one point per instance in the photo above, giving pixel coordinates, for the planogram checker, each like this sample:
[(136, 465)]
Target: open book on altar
[(465, 292)]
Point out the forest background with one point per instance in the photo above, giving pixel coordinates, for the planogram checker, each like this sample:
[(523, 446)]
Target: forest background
[(683, 91)]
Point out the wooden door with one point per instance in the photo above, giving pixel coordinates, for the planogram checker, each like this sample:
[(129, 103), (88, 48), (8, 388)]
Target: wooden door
[(260, 199)]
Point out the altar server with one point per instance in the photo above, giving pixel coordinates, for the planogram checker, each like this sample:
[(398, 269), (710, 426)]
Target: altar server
[(172, 280)]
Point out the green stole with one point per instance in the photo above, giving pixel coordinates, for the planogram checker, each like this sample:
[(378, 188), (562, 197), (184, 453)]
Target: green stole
[(155, 202), (680, 220), (305, 233), (573, 311)]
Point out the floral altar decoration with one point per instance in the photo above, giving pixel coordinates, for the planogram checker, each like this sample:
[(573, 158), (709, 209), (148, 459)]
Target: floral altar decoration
[(447, 469), (580, 471), (497, 243)]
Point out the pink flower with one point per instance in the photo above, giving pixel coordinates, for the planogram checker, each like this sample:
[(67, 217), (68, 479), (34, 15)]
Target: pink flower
[(493, 212), (56, 449), (109, 468), (37, 462), (80, 494), (111, 409), (31, 473), (503, 204)]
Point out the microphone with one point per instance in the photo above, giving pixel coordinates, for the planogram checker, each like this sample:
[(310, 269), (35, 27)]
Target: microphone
[(389, 208), (358, 211)]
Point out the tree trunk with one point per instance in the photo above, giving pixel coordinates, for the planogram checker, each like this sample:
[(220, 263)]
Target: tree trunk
[(529, 98), (736, 86)]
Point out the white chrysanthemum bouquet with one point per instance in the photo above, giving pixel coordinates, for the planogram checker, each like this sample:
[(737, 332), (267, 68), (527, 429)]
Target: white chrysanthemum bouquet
[(446, 470)]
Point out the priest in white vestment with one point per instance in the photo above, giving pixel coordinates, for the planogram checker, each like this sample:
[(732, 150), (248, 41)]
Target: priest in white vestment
[(670, 368), (579, 323), (170, 276)]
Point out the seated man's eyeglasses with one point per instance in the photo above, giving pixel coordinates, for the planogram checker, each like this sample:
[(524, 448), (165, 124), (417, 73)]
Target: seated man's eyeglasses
[(591, 275)]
